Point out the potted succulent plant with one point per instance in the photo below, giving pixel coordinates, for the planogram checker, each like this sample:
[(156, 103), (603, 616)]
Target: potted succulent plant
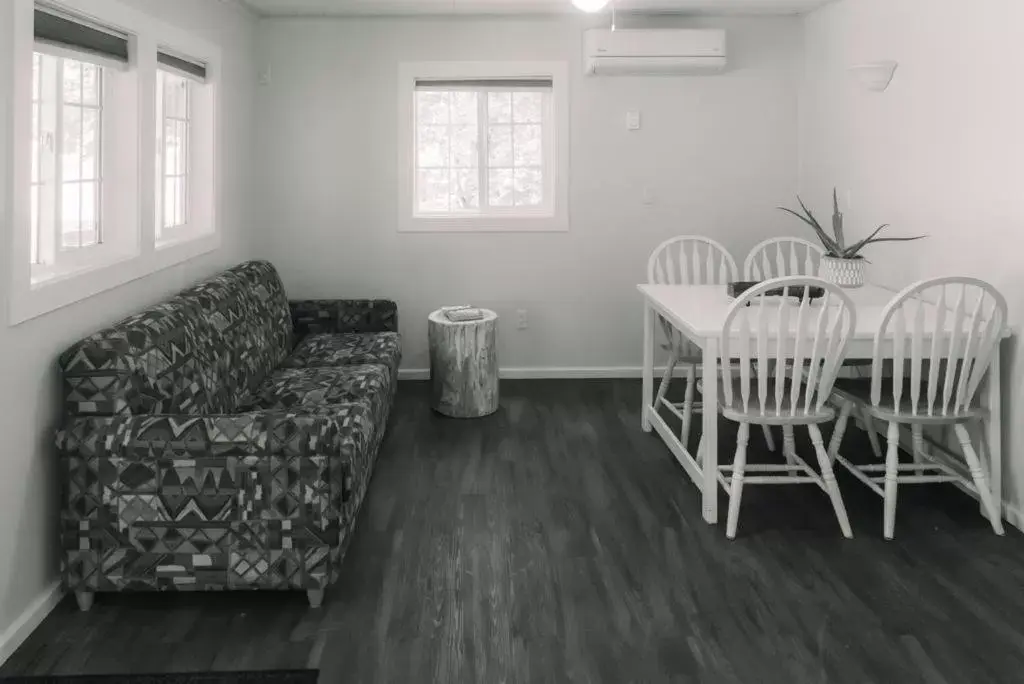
[(842, 263)]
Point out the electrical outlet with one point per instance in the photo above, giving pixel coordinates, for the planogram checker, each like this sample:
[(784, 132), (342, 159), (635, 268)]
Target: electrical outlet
[(523, 320)]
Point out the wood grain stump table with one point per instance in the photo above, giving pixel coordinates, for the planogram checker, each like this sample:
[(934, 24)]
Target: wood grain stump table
[(464, 365)]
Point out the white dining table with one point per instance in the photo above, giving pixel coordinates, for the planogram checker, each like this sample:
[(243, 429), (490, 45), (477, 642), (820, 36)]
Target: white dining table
[(699, 311)]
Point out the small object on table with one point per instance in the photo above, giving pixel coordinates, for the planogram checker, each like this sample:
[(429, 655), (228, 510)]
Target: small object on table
[(463, 364), (459, 315)]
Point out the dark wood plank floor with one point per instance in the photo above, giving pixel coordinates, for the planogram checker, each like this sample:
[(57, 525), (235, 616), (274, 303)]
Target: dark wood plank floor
[(555, 542)]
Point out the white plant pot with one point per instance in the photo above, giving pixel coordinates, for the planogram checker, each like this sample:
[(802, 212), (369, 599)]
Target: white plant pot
[(843, 272)]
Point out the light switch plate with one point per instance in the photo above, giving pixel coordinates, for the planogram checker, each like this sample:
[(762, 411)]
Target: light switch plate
[(633, 121)]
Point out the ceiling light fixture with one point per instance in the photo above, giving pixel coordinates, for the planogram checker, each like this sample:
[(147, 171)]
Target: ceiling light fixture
[(589, 5)]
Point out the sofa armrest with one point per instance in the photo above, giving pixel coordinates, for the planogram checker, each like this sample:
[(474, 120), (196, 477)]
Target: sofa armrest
[(322, 451), (148, 437), (343, 316)]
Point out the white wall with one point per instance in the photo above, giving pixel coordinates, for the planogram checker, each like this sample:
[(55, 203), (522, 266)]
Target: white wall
[(30, 408), (940, 153), (719, 153)]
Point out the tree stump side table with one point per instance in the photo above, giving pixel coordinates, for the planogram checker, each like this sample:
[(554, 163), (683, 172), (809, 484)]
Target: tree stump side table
[(464, 365)]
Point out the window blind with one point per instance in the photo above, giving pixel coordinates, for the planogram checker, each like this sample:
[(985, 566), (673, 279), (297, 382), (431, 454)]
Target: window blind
[(532, 83), (80, 35), (187, 66)]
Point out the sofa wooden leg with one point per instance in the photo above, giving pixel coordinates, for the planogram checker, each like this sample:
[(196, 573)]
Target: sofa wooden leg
[(85, 599), (316, 597)]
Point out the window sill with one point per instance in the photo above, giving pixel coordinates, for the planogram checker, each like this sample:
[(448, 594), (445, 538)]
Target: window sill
[(484, 224), (58, 292), (181, 238)]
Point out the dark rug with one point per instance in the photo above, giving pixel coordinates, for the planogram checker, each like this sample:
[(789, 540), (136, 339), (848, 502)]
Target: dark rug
[(265, 677)]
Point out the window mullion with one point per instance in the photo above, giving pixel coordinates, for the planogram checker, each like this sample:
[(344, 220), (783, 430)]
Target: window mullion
[(98, 171), (483, 151), (40, 150), (186, 183), (81, 152), (58, 162)]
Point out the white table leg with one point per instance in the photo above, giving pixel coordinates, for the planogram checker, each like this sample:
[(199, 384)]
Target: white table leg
[(710, 433), (994, 430), (645, 421)]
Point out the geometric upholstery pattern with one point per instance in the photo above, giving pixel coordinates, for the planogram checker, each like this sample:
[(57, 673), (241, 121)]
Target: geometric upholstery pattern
[(326, 349), (195, 353), (191, 460), (313, 316), (319, 390)]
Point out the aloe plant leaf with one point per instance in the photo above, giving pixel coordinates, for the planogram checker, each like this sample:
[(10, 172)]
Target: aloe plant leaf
[(823, 237), (809, 213), (837, 220), (872, 240), (895, 239), (857, 246), (826, 241)]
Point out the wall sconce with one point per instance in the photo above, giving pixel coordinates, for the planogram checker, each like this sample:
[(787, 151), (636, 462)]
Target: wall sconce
[(875, 76)]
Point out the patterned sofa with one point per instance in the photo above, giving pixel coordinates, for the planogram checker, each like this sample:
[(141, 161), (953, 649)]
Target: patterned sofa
[(223, 439)]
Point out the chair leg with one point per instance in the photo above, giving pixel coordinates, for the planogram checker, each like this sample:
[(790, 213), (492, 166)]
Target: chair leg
[(980, 477), (691, 386), (736, 494), (665, 380), (869, 427), (769, 438), (700, 451), (789, 447), (917, 431), (829, 477), (892, 462), (839, 431)]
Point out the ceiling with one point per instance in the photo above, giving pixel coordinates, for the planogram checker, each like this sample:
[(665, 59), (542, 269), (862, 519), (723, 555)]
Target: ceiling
[(291, 8)]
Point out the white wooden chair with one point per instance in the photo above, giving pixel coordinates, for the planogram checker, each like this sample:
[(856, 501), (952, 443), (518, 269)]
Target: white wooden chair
[(941, 333), (790, 256), (778, 257), (805, 340), (688, 260)]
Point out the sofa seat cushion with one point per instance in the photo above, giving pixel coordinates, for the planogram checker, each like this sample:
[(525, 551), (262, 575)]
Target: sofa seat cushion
[(328, 350), (323, 390)]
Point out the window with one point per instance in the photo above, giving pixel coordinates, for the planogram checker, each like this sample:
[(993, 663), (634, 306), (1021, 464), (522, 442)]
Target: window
[(73, 75), (185, 150), (67, 173), (480, 146), (84, 219), (174, 99), (485, 151)]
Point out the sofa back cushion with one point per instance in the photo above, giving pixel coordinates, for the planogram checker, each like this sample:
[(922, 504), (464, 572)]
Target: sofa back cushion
[(203, 351)]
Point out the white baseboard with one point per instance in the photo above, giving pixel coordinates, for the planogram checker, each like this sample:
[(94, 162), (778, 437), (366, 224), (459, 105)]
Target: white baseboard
[(26, 623), (550, 373)]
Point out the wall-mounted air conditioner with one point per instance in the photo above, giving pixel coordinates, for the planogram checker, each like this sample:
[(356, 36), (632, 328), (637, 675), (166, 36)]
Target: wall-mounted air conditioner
[(654, 51)]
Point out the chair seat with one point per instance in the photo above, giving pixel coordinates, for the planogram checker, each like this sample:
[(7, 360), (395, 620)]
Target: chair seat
[(774, 414), (858, 390)]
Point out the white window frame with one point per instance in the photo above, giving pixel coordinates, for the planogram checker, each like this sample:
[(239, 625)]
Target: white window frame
[(116, 241), (140, 254), (201, 160), (163, 229), (552, 215)]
